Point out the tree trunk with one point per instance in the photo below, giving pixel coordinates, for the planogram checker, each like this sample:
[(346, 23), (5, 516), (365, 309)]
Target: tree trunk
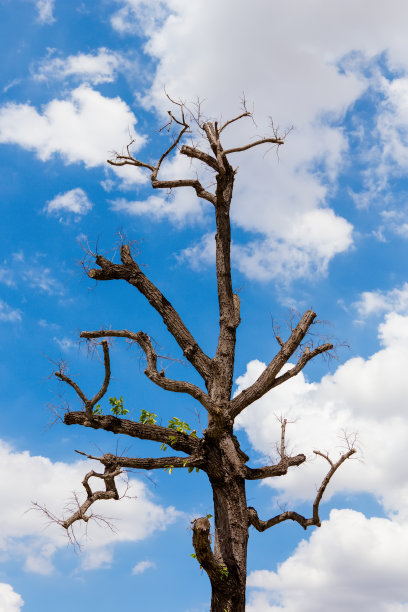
[(231, 526)]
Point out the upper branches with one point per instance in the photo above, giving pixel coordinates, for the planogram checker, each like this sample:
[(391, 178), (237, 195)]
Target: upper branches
[(269, 377), (151, 371), (131, 272)]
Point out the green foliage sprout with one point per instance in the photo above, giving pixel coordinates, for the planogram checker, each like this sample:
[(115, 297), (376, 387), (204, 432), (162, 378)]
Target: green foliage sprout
[(117, 407), (148, 418)]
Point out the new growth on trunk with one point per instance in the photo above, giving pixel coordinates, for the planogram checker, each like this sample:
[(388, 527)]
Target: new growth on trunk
[(217, 451)]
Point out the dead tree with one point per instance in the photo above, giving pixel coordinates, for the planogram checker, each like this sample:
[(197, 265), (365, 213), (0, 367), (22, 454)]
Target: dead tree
[(217, 452)]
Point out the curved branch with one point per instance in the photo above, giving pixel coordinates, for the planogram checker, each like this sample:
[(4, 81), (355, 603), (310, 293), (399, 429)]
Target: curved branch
[(98, 396), (200, 155), (131, 273), (143, 340), (267, 379), (280, 469), (89, 404), (277, 141), (294, 516), (178, 441), (195, 183), (111, 492), (205, 556)]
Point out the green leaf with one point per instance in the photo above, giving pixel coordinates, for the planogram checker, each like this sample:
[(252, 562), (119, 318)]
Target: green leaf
[(163, 447), (149, 418), (209, 516), (97, 409)]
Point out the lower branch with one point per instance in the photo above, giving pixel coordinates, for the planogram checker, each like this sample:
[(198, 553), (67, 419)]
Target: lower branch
[(205, 556), (280, 469), (148, 463), (254, 520)]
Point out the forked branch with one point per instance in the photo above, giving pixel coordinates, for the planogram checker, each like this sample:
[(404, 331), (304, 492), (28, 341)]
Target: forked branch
[(90, 403), (281, 468), (294, 516), (131, 273), (159, 378), (269, 377)]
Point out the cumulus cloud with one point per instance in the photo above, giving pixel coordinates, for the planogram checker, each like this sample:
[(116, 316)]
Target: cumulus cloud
[(378, 302), (51, 484), (10, 601), (366, 396), (350, 563), (9, 314), (83, 127), (345, 564), (283, 75), (95, 68), (74, 201)]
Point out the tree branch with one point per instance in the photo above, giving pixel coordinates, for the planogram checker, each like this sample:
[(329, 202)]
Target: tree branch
[(111, 492), (280, 469), (294, 516), (267, 379), (195, 183), (277, 141), (148, 463), (205, 556), (143, 340), (200, 155), (284, 464), (156, 433), (89, 404), (131, 272)]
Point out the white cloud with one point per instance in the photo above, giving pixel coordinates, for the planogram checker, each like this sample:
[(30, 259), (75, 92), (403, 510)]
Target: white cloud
[(98, 67), (378, 302), (84, 127), (366, 396), (51, 484), (140, 16), (30, 271), (45, 11), (9, 314), (309, 73), (10, 601), (65, 344), (74, 201), (350, 563), (202, 253), (142, 566)]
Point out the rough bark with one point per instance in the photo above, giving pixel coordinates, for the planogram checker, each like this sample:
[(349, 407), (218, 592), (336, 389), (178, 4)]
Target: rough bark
[(217, 452)]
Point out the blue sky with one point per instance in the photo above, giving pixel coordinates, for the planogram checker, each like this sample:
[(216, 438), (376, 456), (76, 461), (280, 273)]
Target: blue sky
[(324, 224)]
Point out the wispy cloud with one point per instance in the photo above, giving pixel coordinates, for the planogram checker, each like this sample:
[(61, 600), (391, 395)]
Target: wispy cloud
[(45, 10), (29, 270), (142, 566), (9, 314)]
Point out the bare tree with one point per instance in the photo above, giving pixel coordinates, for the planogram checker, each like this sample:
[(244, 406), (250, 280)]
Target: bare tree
[(217, 452)]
